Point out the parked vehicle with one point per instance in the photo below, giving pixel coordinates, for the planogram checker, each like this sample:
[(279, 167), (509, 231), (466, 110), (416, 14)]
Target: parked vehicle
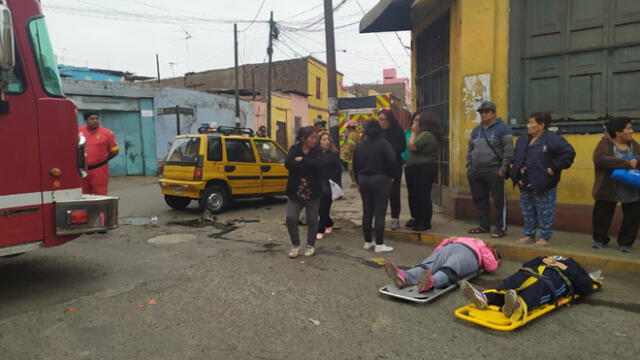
[(43, 157), (220, 165)]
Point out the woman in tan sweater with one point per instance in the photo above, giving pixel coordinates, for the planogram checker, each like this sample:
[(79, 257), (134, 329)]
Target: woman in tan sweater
[(615, 151)]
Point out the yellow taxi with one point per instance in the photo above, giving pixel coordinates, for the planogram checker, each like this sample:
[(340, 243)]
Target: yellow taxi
[(220, 165)]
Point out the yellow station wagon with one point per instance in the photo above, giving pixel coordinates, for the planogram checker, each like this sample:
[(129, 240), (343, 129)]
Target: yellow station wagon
[(221, 165)]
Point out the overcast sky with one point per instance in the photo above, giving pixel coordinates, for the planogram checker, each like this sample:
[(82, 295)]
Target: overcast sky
[(126, 34)]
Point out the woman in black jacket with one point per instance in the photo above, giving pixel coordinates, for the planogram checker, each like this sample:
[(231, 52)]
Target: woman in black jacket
[(394, 134), (330, 169), (303, 188), (538, 160), (373, 163)]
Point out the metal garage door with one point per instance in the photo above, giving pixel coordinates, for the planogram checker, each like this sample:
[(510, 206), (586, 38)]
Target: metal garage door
[(432, 85), (126, 127), (578, 59)]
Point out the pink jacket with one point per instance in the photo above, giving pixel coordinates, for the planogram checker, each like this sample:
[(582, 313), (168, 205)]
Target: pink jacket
[(486, 258)]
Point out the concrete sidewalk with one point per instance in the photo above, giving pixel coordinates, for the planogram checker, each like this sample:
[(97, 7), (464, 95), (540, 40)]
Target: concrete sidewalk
[(576, 245)]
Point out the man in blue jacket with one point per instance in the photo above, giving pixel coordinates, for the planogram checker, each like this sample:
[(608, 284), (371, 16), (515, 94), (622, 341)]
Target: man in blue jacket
[(489, 154)]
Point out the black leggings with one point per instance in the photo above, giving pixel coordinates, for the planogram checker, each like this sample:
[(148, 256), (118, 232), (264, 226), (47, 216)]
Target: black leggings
[(603, 212), (394, 192), (325, 212), (420, 180), (374, 190)]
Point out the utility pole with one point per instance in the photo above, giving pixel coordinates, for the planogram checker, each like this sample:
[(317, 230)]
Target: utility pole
[(177, 119), (158, 67), (331, 70), (269, 85), (235, 46)]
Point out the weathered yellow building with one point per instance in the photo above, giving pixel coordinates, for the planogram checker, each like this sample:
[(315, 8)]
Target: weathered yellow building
[(318, 90), (577, 59)]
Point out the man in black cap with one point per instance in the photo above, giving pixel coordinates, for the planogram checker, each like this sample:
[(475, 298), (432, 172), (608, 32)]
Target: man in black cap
[(320, 124), (262, 132), (489, 155)]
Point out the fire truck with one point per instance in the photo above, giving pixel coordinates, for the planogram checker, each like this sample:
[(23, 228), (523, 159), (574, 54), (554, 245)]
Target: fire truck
[(42, 160)]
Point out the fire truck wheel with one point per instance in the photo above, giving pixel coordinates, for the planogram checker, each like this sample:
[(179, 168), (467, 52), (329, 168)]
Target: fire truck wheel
[(177, 202), (215, 199)]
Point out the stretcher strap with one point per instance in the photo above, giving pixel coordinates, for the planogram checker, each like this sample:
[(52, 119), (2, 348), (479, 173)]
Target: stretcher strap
[(538, 276), (571, 292)]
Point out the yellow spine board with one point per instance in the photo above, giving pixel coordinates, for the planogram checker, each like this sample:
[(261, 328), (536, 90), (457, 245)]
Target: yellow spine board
[(493, 318)]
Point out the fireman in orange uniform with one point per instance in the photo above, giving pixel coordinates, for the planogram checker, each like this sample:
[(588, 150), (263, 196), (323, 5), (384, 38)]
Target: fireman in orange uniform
[(101, 147)]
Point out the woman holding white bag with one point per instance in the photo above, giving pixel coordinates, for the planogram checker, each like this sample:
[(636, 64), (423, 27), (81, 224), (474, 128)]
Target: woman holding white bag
[(330, 169)]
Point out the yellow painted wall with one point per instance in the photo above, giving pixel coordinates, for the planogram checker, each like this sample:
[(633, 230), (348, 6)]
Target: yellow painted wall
[(479, 44), (320, 106)]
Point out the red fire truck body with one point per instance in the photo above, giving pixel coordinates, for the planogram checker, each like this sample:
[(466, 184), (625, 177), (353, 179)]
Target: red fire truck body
[(42, 158)]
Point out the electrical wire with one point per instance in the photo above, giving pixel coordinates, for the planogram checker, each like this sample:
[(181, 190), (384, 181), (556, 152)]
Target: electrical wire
[(255, 17), (382, 43)]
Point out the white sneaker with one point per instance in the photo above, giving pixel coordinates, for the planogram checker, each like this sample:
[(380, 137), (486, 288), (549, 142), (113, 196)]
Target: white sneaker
[(395, 224), (369, 245), (383, 248), (295, 251), (309, 250)]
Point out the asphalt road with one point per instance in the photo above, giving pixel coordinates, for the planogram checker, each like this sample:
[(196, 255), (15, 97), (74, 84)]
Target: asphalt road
[(227, 290)]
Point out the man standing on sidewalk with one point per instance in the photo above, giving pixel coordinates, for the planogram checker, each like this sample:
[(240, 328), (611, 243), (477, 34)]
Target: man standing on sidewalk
[(101, 147), (488, 158)]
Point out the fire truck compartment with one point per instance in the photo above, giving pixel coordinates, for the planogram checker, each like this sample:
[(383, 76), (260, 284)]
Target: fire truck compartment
[(89, 214)]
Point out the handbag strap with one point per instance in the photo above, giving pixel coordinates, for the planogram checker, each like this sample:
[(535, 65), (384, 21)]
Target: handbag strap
[(484, 135)]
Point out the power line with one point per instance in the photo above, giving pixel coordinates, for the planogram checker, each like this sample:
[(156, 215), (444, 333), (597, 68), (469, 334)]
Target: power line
[(254, 18), (382, 43), (401, 43)]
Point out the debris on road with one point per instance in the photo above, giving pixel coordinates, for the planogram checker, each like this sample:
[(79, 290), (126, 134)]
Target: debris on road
[(314, 322), (171, 239)]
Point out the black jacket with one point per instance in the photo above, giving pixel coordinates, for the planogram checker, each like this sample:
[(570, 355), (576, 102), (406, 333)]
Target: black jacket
[(579, 277), (395, 137), (330, 167), (374, 156), (307, 168), (549, 151)]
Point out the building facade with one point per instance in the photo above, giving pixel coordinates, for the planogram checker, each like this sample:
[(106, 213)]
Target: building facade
[(577, 59), (134, 113), (306, 75), (400, 88)]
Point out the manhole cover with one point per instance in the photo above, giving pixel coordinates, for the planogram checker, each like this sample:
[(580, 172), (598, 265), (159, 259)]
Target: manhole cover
[(171, 239)]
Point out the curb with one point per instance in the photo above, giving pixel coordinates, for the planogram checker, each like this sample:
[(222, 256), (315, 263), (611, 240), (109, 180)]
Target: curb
[(516, 252)]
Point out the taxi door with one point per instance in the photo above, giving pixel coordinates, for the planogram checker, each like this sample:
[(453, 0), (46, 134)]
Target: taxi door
[(274, 173), (241, 167)]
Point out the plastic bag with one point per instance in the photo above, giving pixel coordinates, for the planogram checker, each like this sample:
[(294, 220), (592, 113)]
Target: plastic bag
[(629, 177), (336, 190)]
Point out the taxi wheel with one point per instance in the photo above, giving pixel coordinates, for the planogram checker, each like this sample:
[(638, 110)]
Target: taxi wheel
[(177, 202), (215, 199)]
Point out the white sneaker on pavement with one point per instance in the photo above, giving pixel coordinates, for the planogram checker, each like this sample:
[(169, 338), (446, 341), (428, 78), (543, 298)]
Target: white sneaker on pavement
[(309, 250), (383, 248), (369, 245), (295, 251)]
